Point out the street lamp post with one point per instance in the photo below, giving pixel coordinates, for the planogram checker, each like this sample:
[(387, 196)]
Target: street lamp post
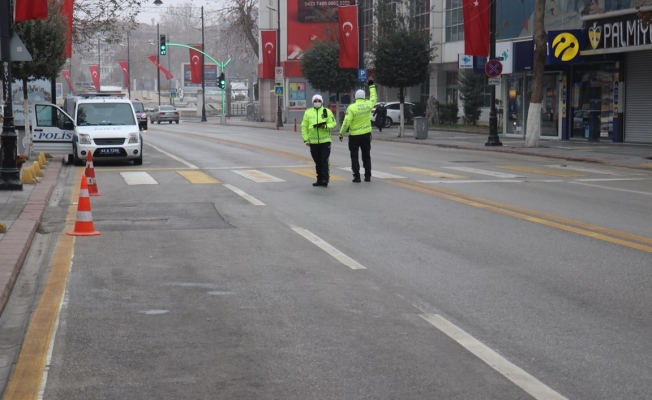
[(99, 67), (9, 173), (203, 67), (279, 112), (128, 68), (493, 120)]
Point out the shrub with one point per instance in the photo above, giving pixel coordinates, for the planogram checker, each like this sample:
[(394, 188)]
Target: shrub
[(448, 113)]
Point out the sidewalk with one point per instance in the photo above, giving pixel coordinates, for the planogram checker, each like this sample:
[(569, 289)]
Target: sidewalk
[(21, 211)]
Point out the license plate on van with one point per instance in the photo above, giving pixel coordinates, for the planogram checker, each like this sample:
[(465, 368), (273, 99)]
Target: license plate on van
[(109, 152)]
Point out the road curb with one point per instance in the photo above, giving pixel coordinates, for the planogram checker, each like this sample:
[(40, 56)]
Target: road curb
[(16, 242)]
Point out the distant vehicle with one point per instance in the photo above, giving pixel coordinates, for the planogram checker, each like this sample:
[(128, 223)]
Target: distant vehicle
[(394, 113), (164, 113), (141, 114)]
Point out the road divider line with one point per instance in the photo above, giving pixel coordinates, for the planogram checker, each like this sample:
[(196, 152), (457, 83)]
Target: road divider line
[(596, 232), (244, 195), (172, 156), (539, 171), (611, 188), (517, 375), (338, 255)]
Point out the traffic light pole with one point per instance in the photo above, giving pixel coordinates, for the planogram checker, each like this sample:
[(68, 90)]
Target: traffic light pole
[(203, 67), (158, 71), (493, 139)]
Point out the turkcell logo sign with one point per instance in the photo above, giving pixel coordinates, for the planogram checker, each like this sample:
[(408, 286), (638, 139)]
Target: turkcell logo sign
[(464, 61), (362, 74), (63, 136), (504, 51)]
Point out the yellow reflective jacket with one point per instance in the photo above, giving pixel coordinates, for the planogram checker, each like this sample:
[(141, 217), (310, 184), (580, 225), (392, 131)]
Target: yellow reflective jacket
[(358, 115), (314, 116)]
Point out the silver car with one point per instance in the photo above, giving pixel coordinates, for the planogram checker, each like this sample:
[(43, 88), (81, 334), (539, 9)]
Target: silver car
[(164, 113)]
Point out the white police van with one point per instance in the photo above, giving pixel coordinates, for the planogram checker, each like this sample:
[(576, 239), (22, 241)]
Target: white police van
[(52, 130), (106, 127)]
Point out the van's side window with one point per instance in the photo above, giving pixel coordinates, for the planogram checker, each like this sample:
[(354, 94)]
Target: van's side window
[(45, 115)]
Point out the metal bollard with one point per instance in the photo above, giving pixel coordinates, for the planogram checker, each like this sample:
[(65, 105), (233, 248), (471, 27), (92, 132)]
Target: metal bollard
[(295, 124)]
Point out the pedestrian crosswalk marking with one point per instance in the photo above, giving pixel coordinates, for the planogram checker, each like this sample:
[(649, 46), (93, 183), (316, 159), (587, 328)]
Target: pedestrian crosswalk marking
[(257, 176), (375, 174), (476, 181), (310, 173), (495, 174), (138, 178), (198, 177), (433, 173), (583, 169), (540, 171)]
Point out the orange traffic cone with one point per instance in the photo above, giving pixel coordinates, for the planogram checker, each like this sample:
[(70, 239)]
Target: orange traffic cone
[(84, 223), (90, 176)]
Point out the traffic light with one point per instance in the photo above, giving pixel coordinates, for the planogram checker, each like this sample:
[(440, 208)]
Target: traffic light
[(164, 46), (222, 81)]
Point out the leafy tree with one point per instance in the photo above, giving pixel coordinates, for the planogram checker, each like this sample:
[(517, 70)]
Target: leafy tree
[(471, 87), (320, 66), (401, 52), (533, 133)]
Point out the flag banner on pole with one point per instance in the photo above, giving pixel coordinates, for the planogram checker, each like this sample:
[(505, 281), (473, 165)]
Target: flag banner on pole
[(95, 75), (66, 76), (167, 73), (268, 44), (27, 10), (348, 29), (476, 27), (195, 64), (66, 11), (125, 70)]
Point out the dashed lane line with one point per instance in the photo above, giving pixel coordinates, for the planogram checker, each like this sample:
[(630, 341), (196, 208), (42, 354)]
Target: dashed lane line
[(500, 175), (244, 195), (540, 171), (338, 255), (172, 156), (433, 173)]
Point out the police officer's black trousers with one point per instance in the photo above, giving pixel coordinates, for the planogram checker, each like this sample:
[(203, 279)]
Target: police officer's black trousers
[(362, 142), (320, 154)]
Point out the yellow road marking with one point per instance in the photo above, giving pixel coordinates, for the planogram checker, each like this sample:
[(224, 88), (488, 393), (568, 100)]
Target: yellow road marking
[(596, 232), (647, 165), (25, 382), (541, 171), (198, 177), (310, 173), (436, 174)]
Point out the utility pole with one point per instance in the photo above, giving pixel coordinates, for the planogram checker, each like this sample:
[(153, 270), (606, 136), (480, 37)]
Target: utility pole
[(203, 67), (158, 61), (279, 112), (493, 119)]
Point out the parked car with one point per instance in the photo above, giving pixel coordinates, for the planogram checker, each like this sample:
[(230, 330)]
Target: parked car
[(141, 114), (394, 113), (165, 113)]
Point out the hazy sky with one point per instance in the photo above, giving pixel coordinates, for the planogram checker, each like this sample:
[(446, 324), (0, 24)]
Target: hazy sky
[(151, 11)]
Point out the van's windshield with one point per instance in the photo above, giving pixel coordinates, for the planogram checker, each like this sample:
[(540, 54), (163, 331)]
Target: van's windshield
[(138, 107), (105, 114)]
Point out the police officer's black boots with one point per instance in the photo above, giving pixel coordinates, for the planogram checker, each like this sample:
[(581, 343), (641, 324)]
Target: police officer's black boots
[(318, 183), (356, 178)]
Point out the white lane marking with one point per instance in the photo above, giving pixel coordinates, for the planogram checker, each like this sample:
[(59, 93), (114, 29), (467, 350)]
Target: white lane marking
[(153, 312), (583, 169), (610, 179), (138, 178), (476, 181), (495, 174), (172, 156), (338, 255), (610, 188), (518, 376), (244, 195), (258, 167), (258, 176), (376, 174)]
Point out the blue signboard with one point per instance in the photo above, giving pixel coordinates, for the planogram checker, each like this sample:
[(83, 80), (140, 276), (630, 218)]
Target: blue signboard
[(362, 75)]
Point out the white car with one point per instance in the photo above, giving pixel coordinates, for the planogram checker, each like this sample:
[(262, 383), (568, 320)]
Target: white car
[(394, 113), (107, 128)]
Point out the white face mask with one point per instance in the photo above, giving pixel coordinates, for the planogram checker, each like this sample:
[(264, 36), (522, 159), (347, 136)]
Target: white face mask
[(317, 104)]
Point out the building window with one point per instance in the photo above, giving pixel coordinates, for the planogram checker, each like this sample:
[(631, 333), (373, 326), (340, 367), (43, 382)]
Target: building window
[(367, 24), (421, 14), (454, 21), (451, 86), (425, 90)]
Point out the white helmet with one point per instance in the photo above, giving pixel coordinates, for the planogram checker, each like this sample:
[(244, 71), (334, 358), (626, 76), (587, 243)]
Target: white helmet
[(359, 94)]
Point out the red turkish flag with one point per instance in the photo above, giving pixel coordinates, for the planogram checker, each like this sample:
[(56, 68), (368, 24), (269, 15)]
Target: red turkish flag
[(167, 73), (125, 70), (27, 10), (347, 17), (66, 11), (66, 75), (268, 44), (95, 75), (195, 64), (476, 27)]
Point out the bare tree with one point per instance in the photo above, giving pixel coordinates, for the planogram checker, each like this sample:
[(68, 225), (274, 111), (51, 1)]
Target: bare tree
[(533, 133), (240, 28), (109, 18)]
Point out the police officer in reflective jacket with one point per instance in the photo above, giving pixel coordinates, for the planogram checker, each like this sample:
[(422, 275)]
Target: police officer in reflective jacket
[(358, 122), (316, 126)]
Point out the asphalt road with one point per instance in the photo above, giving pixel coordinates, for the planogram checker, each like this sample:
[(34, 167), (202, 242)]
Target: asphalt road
[(460, 275)]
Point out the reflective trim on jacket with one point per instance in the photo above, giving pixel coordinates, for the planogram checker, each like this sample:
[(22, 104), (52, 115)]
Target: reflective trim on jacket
[(358, 115), (314, 116)]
